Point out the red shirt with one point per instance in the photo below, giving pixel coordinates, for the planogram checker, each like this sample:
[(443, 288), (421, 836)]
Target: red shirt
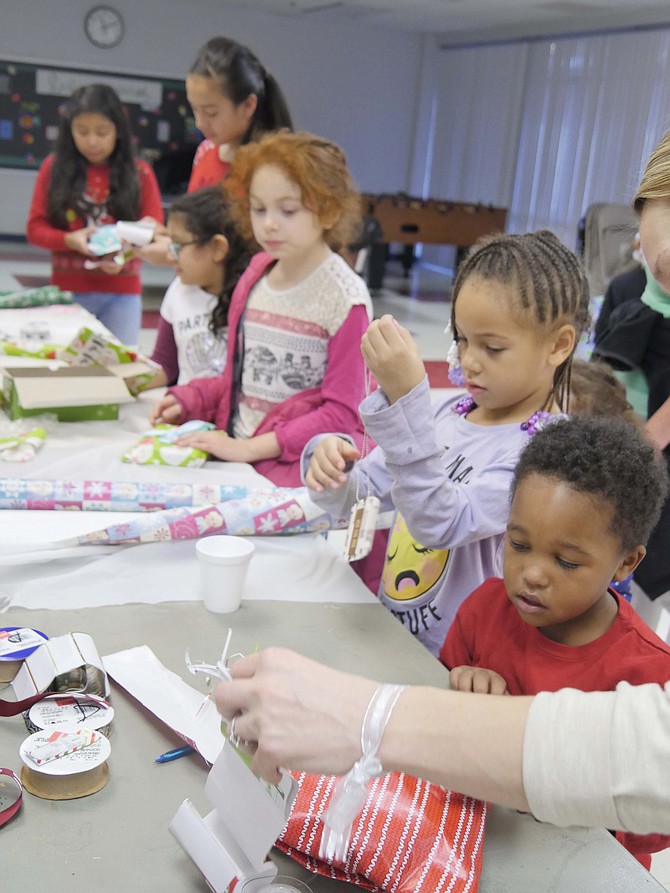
[(67, 267), (488, 632), (208, 169)]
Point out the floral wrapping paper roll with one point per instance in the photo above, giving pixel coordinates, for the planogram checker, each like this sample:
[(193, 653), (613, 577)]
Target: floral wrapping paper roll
[(275, 512), (113, 496)]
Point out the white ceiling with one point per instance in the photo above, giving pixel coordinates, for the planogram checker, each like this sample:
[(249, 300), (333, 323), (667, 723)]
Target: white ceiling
[(460, 21)]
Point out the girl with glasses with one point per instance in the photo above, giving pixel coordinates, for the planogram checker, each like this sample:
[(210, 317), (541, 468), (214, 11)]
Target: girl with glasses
[(209, 255)]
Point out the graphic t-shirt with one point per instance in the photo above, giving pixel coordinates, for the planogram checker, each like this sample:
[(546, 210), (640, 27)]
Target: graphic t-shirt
[(447, 481), (286, 337), (200, 354)]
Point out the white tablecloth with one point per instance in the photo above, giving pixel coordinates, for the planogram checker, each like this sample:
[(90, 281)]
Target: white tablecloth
[(303, 567), (32, 327)]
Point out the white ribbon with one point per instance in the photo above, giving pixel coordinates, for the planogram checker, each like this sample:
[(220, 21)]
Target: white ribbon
[(352, 789)]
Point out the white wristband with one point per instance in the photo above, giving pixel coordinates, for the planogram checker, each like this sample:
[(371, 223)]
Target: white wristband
[(352, 789)]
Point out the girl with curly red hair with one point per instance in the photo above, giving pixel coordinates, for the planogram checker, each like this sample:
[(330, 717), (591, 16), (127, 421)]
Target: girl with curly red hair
[(296, 318)]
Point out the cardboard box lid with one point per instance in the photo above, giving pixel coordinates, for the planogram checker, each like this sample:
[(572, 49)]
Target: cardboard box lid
[(71, 386), (129, 370)]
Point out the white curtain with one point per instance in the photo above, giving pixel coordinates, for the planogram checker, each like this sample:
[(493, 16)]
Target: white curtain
[(545, 128)]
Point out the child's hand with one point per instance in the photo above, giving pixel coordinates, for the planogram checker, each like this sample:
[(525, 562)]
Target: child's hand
[(217, 444), (156, 252), (110, 267), (78, 240), (392, 356), (159, 228), (478, 680), (328, 465), (168, 410)]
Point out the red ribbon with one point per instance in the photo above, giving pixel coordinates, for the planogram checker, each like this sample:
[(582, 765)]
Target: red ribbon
[(11, 810), (12, 708)]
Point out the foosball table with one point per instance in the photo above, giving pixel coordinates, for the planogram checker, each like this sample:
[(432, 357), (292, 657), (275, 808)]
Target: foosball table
[(403, 220)]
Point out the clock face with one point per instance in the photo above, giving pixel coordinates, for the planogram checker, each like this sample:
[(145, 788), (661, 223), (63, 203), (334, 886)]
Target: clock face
[(104, 26)]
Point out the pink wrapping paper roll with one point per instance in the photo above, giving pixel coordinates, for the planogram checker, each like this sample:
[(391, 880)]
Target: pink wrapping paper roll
[(261, 512), (113, 496)]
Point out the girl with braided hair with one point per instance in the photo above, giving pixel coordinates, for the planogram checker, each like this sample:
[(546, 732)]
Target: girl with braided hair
[(519, 305), (209, 255)]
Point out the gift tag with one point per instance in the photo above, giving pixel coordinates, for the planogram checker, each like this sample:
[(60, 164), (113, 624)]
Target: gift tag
[(361, 529)]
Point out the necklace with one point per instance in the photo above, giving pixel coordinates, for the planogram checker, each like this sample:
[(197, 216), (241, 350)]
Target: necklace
[(532, 425)]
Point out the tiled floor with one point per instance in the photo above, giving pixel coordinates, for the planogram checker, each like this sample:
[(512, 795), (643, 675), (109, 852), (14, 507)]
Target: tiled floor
[(419, 302)]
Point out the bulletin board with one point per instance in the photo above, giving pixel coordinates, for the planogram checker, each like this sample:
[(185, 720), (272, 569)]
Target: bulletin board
[(32, 96)]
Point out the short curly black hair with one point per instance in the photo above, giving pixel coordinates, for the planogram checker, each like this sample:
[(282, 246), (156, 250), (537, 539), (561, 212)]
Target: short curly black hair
[(605, 457)]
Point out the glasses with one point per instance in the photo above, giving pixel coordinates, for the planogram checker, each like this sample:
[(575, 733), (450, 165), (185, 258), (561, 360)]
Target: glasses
[(174, 248)]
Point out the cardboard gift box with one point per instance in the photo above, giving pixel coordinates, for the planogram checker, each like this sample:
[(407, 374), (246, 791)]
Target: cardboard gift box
[(90, 348), (72, 394)]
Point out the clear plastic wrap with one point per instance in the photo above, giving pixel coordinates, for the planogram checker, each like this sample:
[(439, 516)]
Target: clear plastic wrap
[(21, 439)]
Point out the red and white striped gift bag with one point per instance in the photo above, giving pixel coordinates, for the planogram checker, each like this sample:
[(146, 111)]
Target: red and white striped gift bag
[(410, 836)]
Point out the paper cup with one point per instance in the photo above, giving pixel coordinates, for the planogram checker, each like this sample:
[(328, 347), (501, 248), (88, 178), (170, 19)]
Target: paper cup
[(136, 232), (224, 562)]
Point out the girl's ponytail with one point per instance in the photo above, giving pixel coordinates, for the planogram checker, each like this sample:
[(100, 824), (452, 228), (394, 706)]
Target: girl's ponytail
[(272, 112), (239, 74)]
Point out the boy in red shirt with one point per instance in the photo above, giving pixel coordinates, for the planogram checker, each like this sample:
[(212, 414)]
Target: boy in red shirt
[(586, 494)]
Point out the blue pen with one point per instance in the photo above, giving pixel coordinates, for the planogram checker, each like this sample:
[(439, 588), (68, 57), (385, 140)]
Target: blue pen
[(175, 754)]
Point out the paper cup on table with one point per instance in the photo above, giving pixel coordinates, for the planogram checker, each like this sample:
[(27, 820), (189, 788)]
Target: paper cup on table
[(224, 562)]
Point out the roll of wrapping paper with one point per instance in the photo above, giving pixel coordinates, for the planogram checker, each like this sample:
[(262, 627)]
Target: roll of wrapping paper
[(282, 511), (113, 496)]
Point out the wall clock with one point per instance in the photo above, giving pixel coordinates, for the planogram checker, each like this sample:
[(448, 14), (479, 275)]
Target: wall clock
[(104, 26)]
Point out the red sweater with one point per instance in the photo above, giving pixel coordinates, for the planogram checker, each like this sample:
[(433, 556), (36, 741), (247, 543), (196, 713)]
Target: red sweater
[(208, 169), (331, 407), (67, 267), (488, 632)]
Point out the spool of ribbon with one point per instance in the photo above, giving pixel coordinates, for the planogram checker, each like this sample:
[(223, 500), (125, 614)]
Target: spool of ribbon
[(11, 795), (71, 709), (74, 775), (16, 643), (63, 665)]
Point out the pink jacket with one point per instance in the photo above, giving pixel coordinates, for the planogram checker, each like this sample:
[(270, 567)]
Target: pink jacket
[(333, 406)]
